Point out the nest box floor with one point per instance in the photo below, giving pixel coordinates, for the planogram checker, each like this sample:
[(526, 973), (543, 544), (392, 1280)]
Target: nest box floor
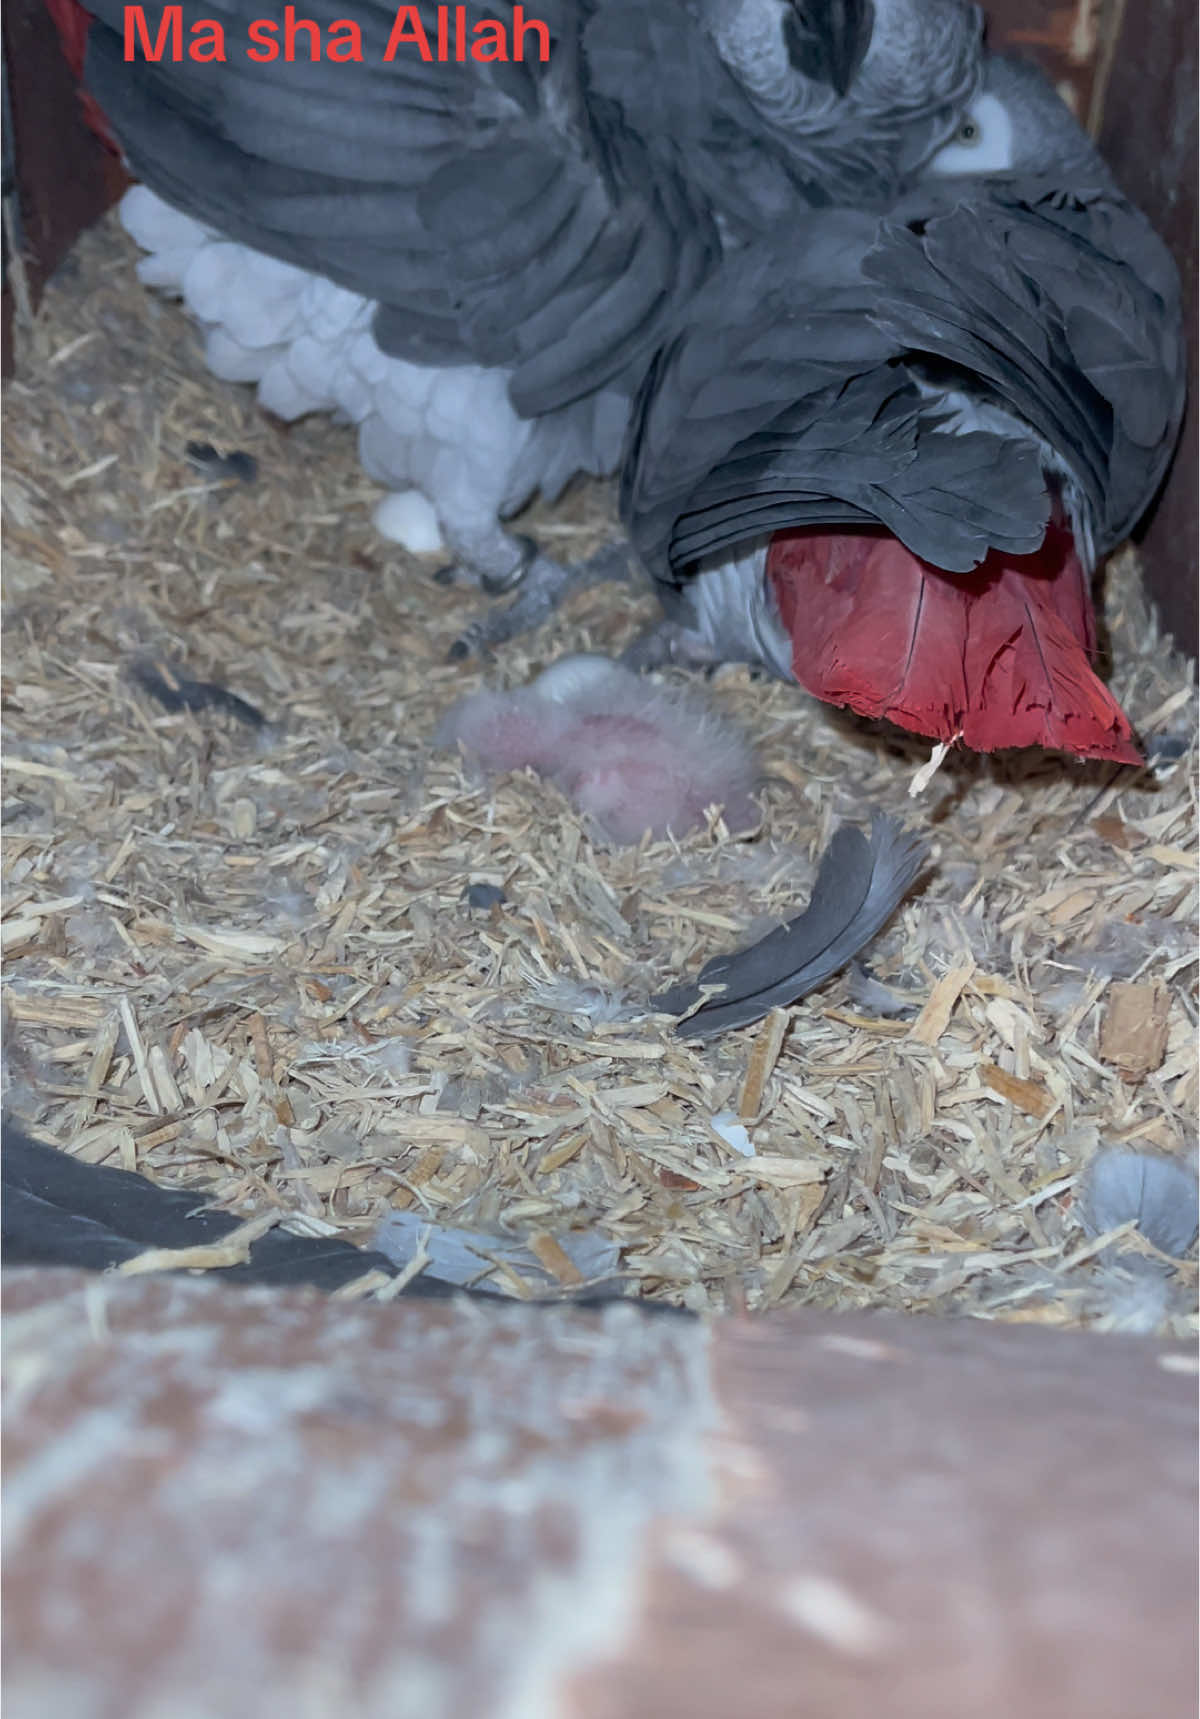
[(243, 960)]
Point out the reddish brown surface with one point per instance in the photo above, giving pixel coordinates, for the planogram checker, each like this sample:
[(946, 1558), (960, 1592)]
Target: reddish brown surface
[(223, 1504), (1133, 68), (66, 177), (1150, 133), (928, 1519), (1068, 41), (997, 658)]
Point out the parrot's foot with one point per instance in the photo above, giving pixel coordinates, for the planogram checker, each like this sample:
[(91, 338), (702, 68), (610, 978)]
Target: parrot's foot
[(667, 642), (544, 586), (498, 563)]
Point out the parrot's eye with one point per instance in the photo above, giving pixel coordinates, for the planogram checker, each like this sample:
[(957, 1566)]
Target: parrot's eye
[(968, 132)]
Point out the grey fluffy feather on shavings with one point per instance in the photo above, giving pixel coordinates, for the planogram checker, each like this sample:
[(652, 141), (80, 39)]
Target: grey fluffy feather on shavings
[(462, 1256), (1132, 1295), (484, 895), (859, 885), (865, 991), (1156, 1193), (238, 465), (167, 683)]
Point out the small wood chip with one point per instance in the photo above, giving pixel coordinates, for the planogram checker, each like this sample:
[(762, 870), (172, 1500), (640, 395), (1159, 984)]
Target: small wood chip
[(930, 768), (782, 1172), (1133, 1034), (680, 1184), (1114, 831), (934, 1018), (551, 1258), (207, 1256), (1027, 1095), (764, 1054)]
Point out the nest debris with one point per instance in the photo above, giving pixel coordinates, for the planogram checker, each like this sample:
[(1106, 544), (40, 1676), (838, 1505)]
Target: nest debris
[(244, 959)]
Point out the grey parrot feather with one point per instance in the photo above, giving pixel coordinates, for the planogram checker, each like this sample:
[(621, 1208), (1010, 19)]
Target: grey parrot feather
[(60, 1210), (859, 885)]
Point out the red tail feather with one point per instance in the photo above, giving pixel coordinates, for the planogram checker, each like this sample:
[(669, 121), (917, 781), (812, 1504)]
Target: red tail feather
[(999, 656)]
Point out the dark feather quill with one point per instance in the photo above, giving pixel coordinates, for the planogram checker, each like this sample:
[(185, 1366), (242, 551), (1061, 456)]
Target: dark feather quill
[(59, 1210), (859, 885)]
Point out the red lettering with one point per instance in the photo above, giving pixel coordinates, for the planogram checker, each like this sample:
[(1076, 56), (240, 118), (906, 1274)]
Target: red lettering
[(407, 28), (493, 38), (292, 27), (208, 41), (519, 28), (171, 25), (351, 48), (263, 31)]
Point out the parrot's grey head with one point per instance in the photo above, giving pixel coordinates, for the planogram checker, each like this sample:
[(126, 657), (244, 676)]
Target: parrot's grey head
[(828, 40), (862, 91), (1018, 125)]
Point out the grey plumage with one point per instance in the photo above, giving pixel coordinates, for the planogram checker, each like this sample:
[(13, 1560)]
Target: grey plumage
[(993, 344), (548, 219), (859, 885)]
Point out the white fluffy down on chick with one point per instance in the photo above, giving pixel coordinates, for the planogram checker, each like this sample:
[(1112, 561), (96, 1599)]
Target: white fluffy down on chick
[(633, 756)]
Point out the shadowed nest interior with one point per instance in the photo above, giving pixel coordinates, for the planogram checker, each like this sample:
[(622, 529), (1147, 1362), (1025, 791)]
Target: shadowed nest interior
[(244, 959)]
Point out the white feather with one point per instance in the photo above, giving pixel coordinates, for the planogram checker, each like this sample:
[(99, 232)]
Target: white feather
[(329, 312), (315, 366), (156, 226), (408, 518), (233, 362), (281, 393), (451, 433), (583, 673)]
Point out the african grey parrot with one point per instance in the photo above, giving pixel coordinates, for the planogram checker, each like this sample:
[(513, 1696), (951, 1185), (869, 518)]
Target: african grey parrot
[(989, 376), (475, 262)]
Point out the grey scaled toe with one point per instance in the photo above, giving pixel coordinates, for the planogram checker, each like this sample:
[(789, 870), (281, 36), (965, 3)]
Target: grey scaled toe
[(667, 642), (497, 566), (544, 587)]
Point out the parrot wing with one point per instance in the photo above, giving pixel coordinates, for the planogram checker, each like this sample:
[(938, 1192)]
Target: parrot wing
[(838, 400), (803, 411), (492, 215), (1067, 308)]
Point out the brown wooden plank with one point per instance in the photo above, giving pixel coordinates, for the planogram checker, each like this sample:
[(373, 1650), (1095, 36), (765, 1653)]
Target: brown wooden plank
[(66, 178), (238, 1503)]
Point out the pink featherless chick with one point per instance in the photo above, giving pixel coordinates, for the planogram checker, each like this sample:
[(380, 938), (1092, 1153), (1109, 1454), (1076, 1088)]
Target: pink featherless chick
[(633, 756)]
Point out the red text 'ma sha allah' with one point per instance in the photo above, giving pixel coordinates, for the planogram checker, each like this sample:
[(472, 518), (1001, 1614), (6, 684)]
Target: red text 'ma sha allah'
[(299, 37)]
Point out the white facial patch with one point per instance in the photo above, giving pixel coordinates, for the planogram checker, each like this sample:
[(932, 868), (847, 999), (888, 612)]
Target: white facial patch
[(992, 148)]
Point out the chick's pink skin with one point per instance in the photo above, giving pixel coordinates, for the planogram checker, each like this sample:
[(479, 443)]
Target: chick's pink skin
[(632, 757), (506, 730)]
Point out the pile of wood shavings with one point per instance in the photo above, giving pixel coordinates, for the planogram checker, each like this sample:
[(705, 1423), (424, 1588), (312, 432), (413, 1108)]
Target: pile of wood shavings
[(245, 960)]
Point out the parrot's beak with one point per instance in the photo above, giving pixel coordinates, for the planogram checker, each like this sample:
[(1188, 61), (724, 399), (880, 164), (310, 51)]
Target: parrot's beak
[(828, 39)]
